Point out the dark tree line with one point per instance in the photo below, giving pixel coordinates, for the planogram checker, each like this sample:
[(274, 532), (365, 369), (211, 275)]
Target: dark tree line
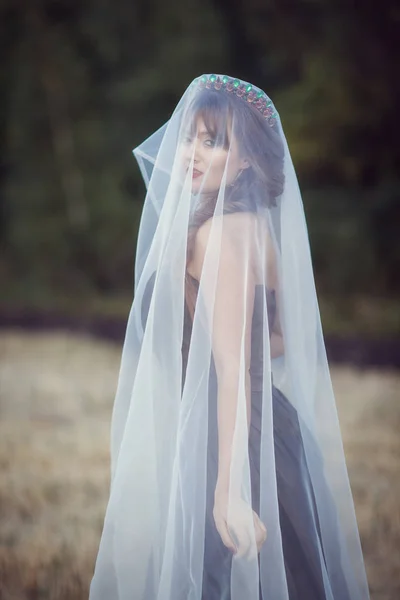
[(82, 82)]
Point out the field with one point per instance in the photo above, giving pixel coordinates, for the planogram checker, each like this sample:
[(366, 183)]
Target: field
[(56, 394)]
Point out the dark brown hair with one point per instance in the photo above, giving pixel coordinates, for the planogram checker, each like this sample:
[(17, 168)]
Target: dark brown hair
[(258, 186)]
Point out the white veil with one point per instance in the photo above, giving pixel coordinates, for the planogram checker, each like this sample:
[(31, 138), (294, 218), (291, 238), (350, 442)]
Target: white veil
[(224, 377)]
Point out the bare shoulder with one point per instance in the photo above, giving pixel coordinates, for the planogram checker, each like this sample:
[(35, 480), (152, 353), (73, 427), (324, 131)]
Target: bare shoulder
[(232, 227), (232, 232)]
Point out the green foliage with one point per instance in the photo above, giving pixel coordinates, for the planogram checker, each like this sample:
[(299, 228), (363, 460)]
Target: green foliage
[(84, 82)]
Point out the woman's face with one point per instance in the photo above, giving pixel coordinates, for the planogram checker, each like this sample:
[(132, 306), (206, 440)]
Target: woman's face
[(210, 159)]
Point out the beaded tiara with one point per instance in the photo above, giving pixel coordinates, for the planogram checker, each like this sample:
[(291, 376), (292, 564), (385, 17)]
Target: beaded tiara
[(249, 93)]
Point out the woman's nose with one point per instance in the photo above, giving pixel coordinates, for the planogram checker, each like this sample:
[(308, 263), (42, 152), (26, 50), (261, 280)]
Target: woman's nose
[(192, 151)]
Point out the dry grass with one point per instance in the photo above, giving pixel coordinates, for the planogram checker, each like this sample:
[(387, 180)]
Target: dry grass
[(56, 394)]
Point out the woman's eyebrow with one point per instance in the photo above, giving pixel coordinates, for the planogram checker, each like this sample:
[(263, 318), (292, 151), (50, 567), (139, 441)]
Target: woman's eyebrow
[(204, 133)]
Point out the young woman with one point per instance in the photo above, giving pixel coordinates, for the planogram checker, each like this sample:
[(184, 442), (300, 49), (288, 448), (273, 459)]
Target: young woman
[(228, 474)]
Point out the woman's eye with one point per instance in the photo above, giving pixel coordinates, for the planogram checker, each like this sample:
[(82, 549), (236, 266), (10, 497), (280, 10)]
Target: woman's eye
[(210, 143)]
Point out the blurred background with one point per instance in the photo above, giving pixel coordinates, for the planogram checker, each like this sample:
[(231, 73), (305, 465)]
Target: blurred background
[(82, 83)]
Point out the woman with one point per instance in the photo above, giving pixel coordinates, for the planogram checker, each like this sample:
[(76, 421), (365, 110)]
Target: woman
[(228, 474)]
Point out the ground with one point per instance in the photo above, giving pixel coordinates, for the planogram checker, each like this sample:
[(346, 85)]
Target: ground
[(56, 394)]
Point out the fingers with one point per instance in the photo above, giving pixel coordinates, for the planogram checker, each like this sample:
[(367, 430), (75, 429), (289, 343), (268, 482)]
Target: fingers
[(260, 535), (260, 532), (244, 540), (260, 540), (223, 531), (238, 536), (249, 542), (259, 526)]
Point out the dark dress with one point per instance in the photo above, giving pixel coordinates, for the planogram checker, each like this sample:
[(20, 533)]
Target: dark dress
[(298, 516), (301, 540)]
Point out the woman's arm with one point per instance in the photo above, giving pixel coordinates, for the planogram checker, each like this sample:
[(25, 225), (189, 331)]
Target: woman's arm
[(231, 351), (230, 302)]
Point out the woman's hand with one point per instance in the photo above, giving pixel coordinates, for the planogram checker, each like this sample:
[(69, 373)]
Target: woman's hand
[(233, 517)]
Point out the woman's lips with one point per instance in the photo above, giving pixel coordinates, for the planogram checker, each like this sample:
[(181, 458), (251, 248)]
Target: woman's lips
[(196, 173)]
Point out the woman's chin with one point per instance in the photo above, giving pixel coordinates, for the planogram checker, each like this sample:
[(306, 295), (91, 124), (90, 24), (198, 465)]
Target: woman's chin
[(196, 185)]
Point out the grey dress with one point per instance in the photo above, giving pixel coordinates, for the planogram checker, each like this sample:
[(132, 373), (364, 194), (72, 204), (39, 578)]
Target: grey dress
[(297, 512), (298, 516)]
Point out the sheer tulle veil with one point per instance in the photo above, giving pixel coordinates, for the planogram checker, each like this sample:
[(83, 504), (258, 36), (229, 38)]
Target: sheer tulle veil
[(223, 267)]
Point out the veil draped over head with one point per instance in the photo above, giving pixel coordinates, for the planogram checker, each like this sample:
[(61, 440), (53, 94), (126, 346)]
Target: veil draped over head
[(224, 416)]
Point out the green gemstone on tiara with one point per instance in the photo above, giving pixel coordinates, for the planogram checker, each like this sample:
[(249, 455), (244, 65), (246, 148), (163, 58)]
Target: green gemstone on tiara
[(258, 99)]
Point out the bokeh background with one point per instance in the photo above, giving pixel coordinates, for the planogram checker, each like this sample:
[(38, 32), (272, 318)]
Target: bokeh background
[(82, 83)]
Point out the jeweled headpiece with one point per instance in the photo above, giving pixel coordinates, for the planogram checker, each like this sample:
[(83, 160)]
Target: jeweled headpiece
[(254, 96)]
